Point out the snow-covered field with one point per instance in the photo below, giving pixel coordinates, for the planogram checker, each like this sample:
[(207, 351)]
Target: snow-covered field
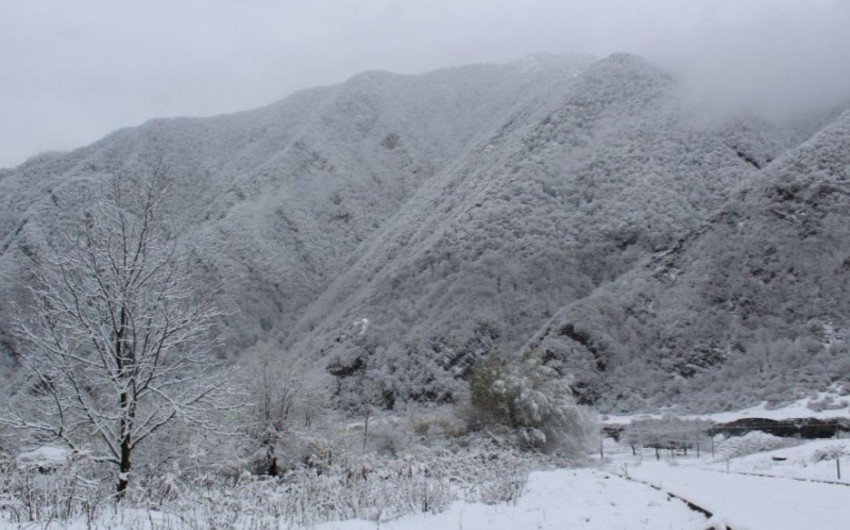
[(580, 498), (626, 491), (791, 497), (821, 405), (751, 502), (600, 499), (800, 462), (589, 498), (751, 482)]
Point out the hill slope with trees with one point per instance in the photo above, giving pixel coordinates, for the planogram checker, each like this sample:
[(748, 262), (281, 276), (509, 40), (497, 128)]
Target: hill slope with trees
[(581, 183), (388, 233), (752, 305)]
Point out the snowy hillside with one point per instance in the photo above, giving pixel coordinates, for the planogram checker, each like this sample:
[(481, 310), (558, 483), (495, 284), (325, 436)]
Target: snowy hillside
[(278, 200), (584, 180), (752, 305), (389, 232)]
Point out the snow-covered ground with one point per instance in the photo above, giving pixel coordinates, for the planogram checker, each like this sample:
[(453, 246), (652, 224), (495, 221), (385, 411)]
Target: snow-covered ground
[(793, 462), (598, 498), (595, 499), (589, 499), (787, 488), (822, 405), (740, 499), (754, 503)]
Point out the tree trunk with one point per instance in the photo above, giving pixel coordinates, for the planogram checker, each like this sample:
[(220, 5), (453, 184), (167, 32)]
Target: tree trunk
[(125, 364), (124, 466), (272, 469), (366, 428)]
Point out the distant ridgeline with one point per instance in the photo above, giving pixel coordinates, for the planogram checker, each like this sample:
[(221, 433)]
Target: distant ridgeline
[(387, 233)]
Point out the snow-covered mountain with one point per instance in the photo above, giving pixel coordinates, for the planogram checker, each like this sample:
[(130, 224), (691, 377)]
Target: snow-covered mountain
[(278, 200), (582, 181), (390, 231), (752, 305)]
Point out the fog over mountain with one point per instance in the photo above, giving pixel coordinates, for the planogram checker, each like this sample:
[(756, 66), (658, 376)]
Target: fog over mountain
[(75, 71), (387, 233)]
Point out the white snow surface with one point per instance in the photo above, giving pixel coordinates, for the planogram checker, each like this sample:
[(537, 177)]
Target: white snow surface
[(794, 462), (46, 456), (566, 498), (759, 491), (801, 408), (746, 502)]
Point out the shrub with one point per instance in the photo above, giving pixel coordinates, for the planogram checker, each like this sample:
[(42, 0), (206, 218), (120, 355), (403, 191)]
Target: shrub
[(533, 401), (754, 442), (829, 453), (438, 424)]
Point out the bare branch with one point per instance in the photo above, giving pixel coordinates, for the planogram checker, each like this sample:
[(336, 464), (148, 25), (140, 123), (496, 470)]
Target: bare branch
[(118, 346)]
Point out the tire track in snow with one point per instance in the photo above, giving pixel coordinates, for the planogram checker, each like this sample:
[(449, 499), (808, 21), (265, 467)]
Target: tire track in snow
[(690, 504), (750, 473)]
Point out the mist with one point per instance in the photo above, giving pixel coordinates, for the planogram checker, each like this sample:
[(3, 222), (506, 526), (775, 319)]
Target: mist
[(73, 72)]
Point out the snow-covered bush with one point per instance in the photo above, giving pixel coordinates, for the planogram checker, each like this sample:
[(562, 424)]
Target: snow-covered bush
[(754, 442), (281, 413), (50, 484), (437, 424), (829, 453), (533, 401), (827, 402)]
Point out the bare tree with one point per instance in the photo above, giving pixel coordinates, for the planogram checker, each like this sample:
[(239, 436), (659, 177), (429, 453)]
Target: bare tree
[(282, 408), (272, 393), (119, 344)]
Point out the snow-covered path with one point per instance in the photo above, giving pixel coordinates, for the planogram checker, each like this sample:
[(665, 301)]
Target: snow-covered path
[(586, 499), (747, 502)]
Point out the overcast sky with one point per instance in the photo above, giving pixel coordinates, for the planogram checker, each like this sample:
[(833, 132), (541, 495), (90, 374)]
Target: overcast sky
[(72, 71)]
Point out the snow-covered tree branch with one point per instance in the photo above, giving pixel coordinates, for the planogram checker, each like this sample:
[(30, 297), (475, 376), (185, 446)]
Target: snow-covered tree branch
[(119, 344)]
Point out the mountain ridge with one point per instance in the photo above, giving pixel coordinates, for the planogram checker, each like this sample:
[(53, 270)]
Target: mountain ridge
[(385, 234)]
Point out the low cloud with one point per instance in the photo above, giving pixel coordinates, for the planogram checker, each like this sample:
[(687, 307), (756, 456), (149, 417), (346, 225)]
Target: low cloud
[(74, 71)]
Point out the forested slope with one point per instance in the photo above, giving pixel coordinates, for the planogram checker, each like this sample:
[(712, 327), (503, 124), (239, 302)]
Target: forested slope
[(387, 233), (274, 202), (754, 304), (586, 178)]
